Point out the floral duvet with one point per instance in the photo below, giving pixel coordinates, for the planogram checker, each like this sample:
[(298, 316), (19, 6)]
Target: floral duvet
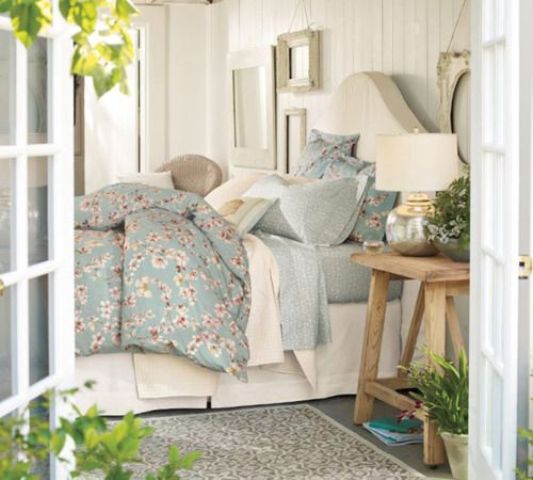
[(161, 271)]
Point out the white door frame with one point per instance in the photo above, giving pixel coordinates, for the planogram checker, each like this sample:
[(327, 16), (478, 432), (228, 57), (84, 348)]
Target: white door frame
[(495, 231), (59, 265)]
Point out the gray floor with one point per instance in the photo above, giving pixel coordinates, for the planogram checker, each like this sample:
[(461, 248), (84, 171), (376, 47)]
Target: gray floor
[(341, 410)]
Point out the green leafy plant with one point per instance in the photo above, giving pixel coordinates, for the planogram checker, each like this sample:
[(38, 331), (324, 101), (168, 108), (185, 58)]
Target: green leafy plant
[(98, 446), (443, 390), (528, 435), (452, 214), (103, 47)]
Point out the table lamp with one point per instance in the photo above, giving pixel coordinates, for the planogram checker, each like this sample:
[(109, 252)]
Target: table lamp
[(414, 163)]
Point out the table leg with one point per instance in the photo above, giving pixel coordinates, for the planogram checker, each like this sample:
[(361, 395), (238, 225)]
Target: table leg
[(435, 336), (375, 320), (414, 330), (454, 326)]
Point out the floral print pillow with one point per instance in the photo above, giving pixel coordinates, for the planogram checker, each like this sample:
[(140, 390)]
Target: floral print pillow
[(377, 204), (321, 148)]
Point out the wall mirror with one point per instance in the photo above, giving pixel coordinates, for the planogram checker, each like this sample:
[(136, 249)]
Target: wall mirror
[(294, 137), (298, 61), (252, 105), (454, 85)]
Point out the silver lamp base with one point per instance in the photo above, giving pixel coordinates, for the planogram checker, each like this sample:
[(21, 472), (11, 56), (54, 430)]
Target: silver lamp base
[(406, 227)]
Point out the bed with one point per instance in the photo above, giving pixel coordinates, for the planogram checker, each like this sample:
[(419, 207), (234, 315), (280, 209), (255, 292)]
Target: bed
[(367, 103)]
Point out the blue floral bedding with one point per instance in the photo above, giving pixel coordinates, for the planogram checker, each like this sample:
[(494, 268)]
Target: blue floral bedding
[(161, 271)]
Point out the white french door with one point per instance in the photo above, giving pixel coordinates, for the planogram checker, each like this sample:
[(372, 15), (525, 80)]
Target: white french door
[(494, 314), (36, 225)]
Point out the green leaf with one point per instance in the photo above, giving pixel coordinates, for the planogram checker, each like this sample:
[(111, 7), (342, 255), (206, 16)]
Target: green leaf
[(125, 9), (6, 6), (28, 18)]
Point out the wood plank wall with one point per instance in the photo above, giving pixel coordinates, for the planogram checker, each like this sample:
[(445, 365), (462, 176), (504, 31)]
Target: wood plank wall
[(399, 37)]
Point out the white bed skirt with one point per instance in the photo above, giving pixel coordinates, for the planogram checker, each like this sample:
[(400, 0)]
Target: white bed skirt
[(337, 365)]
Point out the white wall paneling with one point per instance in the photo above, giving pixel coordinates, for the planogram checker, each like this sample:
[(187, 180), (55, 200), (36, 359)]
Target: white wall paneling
[(400, 37), (175, 100)]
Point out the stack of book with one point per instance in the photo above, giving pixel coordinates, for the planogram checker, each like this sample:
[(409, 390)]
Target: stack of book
[(394, 432)]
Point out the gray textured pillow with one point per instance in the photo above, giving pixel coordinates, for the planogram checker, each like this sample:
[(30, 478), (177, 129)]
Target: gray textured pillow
[(319, 213)]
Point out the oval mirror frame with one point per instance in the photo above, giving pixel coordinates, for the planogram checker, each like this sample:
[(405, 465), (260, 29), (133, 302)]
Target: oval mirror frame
[(451, 68)]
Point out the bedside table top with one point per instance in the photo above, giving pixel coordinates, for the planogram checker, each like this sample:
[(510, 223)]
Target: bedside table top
[(425, 269)]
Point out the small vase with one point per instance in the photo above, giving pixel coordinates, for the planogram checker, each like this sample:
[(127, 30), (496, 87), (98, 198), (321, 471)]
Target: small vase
[(457, 451), (453, 250)]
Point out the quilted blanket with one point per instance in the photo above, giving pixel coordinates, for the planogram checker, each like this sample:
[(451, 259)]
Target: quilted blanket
[(161, 271)]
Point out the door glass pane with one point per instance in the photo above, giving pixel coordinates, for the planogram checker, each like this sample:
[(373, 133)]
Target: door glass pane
[(39, 329), (7, 170), (6, 311), (38, 92), (7, 88), (37, 209)]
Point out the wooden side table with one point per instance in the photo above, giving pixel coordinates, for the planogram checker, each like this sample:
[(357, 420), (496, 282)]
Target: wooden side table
[(441, 279)]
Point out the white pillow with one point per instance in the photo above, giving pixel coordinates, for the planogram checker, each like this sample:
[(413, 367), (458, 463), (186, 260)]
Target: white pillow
[(236, 187), (233, 188), (160, 179)]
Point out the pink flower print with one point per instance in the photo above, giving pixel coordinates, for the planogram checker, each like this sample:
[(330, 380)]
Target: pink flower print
[(377, 200), (159, 262), (152, 237), (115, 293), (221, 310), (143, 287), (97, 342), (79, 326), (154, 334), (82, 294), (211, 322), (181, 321), (130, 301), (105, 309), (116, 338), (189, 293), (214, 349), (374, 221), (85, 204)]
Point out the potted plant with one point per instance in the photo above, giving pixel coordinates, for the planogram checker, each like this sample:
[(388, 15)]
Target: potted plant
[(449, 229), (443, 390)]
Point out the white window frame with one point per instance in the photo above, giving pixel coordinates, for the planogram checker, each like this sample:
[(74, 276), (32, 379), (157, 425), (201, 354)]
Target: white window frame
[(59, 266)]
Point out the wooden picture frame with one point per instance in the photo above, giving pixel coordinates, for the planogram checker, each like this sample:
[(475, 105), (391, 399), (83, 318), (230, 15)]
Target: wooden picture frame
[(288, 114), (303, 47)]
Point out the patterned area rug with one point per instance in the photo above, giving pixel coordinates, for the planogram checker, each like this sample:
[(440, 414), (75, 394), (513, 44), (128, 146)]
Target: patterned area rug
[(275, 443)]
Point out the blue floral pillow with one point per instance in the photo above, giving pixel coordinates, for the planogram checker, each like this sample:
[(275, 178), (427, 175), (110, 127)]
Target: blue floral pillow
[(377, 204), (319, 151)]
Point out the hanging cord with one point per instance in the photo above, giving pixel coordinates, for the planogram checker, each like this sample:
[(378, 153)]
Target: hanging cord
[(302, 3), (457, 22)]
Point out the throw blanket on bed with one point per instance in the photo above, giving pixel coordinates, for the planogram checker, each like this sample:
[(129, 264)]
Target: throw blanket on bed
[(162, 271), (303, 296)]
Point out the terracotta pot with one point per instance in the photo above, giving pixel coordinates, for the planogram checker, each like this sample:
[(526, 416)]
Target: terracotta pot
[(457, 451)]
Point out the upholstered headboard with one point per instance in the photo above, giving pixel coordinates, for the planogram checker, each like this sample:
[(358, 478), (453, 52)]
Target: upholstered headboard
[(368, 103)]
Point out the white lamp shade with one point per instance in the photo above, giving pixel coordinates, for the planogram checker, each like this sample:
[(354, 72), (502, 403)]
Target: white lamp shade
[(417, 162)]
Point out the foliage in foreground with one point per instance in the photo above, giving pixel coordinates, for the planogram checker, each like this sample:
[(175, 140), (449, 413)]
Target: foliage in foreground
[(528, 435), (443, 391), (98, 447), (103, 47)]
